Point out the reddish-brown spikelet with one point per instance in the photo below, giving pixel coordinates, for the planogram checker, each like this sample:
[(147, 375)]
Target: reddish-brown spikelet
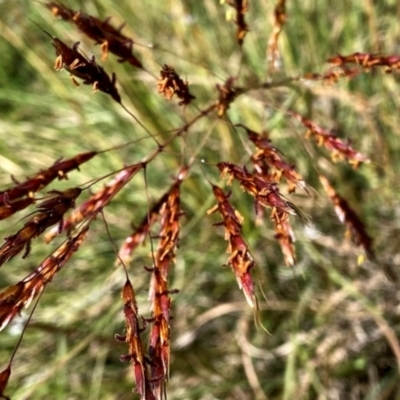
[(170, 213), (262, 169), (159, 346), (333, 74), (110, 38), (102, 32), (132, 336), (139, 235), (60, 11), (240, 259), (265, 193), (285, 236), (4, 377), (62, 167), (368, 60), (171, 83), (20, 295), (340, 149), (346, 215), (38, 181), (50, 212), (227, 94), (96, 202), (82, 68), (241, 7), (273, 56), (18, 205), (61, 202), (274, 159)]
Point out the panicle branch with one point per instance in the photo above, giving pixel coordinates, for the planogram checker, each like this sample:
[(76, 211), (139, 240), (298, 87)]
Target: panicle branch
[(139, 235)]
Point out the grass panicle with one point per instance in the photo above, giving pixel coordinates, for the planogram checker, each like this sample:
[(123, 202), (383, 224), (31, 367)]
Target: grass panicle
[(255, 96)]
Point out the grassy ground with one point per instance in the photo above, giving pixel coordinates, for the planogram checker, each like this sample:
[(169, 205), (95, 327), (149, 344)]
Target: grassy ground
[(333, 323)]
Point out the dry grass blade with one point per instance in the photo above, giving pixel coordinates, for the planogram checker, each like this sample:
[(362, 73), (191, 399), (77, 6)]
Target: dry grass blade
[(240, 258), (20, 295)]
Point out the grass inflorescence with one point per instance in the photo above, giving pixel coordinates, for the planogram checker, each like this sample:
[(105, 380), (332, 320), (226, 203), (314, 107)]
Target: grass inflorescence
[(156, 156)]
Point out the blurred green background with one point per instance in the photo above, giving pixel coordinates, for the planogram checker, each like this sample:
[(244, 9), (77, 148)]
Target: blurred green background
[(334, 324)]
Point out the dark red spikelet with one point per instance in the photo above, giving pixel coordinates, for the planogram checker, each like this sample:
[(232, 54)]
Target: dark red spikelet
[(18, 205), (38, 181), (240, 258), (346, 215), (4, 377)]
